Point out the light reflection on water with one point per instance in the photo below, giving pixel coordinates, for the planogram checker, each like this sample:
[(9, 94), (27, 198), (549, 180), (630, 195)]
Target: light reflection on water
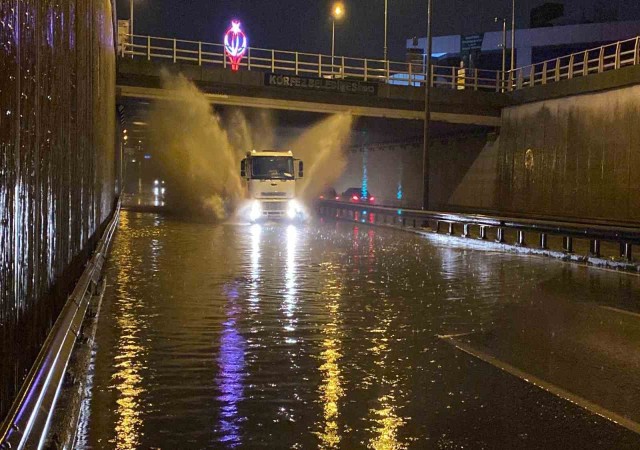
[(129, 360), (230, 379), (277, 336), (331, 389)]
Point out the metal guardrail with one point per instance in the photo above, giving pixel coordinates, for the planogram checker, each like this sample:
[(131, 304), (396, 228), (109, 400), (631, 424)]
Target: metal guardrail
[(27, 423), (311, 64), (596, 60), (625, 236)]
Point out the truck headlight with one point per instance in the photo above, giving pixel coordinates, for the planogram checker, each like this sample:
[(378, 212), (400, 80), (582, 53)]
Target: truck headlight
[(256, 211), (293, 209)]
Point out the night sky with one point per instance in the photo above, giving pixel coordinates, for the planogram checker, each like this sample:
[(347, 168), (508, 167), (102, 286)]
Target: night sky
[(306, 26)]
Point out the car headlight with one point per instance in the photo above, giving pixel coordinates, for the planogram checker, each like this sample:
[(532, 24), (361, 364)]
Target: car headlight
[(293, 209), (256, 211)]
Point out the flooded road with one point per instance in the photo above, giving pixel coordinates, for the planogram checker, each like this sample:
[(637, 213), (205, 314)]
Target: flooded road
[(322, 336)]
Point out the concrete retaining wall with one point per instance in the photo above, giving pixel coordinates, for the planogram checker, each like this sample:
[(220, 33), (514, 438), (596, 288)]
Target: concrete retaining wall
[(57, 124), (573, 157)]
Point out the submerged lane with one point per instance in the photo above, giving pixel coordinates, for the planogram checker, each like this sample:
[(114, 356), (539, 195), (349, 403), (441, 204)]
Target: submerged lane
[(320, 336)]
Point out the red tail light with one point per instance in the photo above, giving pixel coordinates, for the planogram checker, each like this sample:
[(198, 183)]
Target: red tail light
[(337, 198), (355, 197), (322, 197), (372, 199)]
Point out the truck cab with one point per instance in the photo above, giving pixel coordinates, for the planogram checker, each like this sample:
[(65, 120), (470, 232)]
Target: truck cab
[(271, 184)]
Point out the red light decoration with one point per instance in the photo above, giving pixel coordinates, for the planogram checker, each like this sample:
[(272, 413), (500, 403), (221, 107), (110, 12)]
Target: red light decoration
[(235, 44)]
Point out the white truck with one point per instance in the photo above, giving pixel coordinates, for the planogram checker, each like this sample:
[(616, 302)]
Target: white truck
[(271, 184)]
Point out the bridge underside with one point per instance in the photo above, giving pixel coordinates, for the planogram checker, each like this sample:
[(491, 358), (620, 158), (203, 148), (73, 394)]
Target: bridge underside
[(142, 80)]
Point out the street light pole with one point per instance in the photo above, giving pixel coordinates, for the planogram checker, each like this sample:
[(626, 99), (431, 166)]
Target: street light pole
[(427, 109), (513, 35), (386, 29), (337, 12), (131, 19), (333, 44)]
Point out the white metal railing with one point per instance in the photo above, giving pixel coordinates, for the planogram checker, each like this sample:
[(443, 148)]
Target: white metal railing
[(311, 64), (596, 60)]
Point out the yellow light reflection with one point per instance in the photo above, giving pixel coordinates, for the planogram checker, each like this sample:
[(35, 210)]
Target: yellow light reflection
[(331, 390), (290, 277), (128, 378), (254, 294)]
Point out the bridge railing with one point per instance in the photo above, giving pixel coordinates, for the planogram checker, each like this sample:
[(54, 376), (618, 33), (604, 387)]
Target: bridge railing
[(311, 64), (587, 62)]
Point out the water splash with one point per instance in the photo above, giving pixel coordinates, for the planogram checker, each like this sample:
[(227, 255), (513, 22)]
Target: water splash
[(198, 161), (323, 148)]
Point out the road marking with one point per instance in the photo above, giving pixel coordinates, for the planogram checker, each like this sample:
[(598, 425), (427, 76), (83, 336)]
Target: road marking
[(621, 311), (551, 388)]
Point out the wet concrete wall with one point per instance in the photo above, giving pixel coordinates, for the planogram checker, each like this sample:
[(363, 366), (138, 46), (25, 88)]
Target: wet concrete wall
[(57, 120), (575, 157), (394, 172)]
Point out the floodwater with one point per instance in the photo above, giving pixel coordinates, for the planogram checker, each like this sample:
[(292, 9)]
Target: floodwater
[(322, 335)]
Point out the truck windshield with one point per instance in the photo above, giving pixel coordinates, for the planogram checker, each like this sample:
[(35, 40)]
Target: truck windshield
[(272, 167)]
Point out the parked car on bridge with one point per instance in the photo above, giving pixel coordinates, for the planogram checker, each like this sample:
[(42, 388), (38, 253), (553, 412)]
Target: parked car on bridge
[(354, 195)]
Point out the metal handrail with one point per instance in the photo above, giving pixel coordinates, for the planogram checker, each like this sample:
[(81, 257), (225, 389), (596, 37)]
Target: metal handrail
[(27, 423), (595, 60), (287, 62), (624, 235)]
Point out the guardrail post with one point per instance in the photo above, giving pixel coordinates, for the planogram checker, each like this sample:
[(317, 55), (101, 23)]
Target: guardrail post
[(601, 60), (585, 69), (521, 242), (571, 62), (625, 251), (199, 53), (594, 248), (148, 48), (248, 58), (635, 52), (320, 66), (410, 74), (366, 69), (545, 68), (543, 241), (500, 235), (475, 79), (296, 63), (342, 68), (452, 228), (567, 244), (499, 78), (532, 76), (617, 61), (520, 78), (465, 230), (483, 232), (557, 71), (175, 46), (273, 60), (454, 76), (387, 72)]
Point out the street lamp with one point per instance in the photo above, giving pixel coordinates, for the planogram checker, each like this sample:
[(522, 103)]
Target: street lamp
[(337, 13)]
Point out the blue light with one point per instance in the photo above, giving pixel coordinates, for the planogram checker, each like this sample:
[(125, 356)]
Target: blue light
[(364, 213), (365, 175), (147, 156), (399, 212)]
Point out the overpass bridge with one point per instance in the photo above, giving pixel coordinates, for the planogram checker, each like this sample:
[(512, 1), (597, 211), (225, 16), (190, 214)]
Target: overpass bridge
[(298, 81)]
